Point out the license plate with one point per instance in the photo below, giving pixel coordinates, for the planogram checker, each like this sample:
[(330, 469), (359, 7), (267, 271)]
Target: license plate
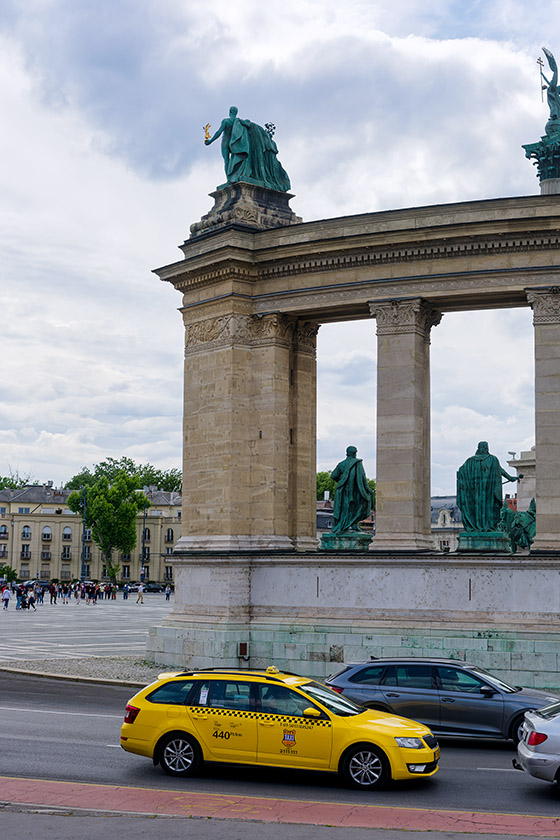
[(436, 754)]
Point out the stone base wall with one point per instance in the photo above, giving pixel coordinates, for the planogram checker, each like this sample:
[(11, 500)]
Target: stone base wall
[(311, 613)]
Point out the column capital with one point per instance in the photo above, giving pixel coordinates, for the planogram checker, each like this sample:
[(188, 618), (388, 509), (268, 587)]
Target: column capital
[(405, 316), (545, 304)]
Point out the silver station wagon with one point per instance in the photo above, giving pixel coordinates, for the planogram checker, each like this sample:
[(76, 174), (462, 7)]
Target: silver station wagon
[(450, 696)]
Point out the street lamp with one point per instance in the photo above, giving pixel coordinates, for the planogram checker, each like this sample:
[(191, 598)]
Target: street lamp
[(84, 498), (142, 570)]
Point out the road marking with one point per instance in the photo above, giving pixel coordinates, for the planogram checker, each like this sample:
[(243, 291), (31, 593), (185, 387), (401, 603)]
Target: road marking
[(49, 712), (499, 769)]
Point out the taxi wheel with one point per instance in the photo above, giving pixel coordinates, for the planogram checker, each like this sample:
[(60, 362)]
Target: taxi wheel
[(365, 767), (179, 755)]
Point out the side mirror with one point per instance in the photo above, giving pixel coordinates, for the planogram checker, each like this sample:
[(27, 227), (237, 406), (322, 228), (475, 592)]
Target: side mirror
[(487, 691), (311, 712)]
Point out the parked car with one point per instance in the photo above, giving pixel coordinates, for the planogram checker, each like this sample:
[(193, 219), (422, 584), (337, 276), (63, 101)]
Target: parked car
[(450, 696), (272, 719), (153, 587), (538, 752)]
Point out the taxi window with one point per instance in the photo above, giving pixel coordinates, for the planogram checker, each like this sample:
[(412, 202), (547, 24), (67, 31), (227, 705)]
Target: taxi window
[(454, 680), (224, 694), (370, 675), (172, 693), (279, 700)]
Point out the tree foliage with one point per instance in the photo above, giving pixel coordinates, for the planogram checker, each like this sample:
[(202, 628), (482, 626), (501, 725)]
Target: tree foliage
[(7, 572), (15, 481), (145, 474), (110, 512), (325, 482)]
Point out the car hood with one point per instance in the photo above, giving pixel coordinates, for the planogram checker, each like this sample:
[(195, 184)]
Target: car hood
[(538, 697), (385, 720)]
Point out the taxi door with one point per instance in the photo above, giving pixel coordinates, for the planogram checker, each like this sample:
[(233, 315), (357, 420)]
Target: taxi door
[(223, 713), (285, 736)]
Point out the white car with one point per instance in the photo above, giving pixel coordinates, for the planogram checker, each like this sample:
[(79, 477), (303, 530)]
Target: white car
[(538, 752)]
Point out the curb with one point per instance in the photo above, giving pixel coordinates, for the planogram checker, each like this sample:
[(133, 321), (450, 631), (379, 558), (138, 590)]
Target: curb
[(74, 678)]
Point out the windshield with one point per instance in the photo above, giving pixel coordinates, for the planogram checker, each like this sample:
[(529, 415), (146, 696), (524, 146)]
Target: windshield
[(503, 686), (549, 712), (331, 700)]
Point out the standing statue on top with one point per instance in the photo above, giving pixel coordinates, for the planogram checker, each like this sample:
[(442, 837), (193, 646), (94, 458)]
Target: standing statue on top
[(250, 154), (479, 498), (552, 94), (545, 154)]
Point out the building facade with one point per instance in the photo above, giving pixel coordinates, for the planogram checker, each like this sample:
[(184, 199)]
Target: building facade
[(42, 539)]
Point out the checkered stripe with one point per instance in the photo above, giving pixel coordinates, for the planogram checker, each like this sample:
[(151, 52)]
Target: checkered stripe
[(286, 719)]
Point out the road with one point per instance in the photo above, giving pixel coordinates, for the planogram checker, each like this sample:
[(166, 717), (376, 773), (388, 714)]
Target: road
[(70, 732)]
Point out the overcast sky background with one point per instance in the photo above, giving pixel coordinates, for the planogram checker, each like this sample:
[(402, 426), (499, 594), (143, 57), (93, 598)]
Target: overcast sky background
[(378, 105)]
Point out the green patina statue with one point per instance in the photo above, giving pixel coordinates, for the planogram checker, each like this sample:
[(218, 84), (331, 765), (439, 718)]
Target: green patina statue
[(552, 94), (250, 153), (521, 527), (546, 152), (352, 499), (479, 498)]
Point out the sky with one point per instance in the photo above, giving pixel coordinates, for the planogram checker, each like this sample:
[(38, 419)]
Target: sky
[(378, 105)]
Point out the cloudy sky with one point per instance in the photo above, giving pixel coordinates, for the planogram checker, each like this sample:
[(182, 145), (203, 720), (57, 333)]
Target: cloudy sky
[(378, 105)]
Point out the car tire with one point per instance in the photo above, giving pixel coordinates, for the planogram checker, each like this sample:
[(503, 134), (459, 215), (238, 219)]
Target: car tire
[(365, 767), (179, 755), (516, 729)]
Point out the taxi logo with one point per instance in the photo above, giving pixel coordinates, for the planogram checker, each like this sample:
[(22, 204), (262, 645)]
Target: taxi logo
[(289, 739)]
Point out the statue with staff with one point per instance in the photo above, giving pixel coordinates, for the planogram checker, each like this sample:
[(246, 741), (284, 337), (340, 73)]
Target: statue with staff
[(552, 93)]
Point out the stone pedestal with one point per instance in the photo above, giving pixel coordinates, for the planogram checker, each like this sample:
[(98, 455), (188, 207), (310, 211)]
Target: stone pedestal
[(246, 205), (350, 541), (403, 424), (489, 542)]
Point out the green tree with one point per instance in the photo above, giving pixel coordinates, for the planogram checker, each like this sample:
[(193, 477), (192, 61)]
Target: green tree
[(111, 510), (7, 572), (15, 481), (146, 475), (325, 482)]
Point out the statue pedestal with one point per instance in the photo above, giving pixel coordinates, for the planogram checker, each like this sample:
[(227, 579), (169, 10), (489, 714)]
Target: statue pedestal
[(349, 541), (494, 541), (248, 206)]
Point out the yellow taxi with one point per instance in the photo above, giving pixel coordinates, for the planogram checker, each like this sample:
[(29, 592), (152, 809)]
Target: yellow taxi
[(273, 719)]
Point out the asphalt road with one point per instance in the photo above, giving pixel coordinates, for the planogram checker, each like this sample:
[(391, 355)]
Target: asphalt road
[(69, 731)]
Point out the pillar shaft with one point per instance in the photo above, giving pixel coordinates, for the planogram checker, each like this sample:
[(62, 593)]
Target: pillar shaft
[(403, 424), (546, 321)]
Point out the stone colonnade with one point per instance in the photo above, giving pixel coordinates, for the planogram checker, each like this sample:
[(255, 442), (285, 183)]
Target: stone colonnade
[(253, 301)]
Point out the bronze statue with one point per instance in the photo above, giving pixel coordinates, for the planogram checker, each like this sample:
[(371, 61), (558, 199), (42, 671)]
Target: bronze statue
[(353, 498), (479, 490)]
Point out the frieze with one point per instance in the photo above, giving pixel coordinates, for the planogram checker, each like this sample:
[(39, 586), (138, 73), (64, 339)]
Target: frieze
[(373, 256), (545, 305), (231, 329), (397, 316)]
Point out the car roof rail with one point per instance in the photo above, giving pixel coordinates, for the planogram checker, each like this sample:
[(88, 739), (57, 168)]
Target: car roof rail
[(233, 670)]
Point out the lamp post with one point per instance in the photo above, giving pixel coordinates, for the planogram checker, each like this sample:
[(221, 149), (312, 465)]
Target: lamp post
[(84, 498), (142, 573)]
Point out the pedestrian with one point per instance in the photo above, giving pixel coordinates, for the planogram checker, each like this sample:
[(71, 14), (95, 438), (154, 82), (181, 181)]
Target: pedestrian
[(167, 592), (31, 601), (53, 593), (6, 595), (140, 599), (125, 592)]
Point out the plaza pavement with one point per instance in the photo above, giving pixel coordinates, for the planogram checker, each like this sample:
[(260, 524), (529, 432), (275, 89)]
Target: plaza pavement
[(77, 631)]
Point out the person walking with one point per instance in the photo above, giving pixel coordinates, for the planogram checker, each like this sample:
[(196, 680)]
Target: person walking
[(167, 592), (140, 599), (53, 593), (6, 595), (125, 592)]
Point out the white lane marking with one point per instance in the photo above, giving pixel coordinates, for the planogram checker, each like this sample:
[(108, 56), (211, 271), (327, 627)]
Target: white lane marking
[(49, 712), (117, 746), (499, 769)]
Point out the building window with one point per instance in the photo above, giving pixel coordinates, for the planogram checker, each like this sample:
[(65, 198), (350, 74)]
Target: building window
[(47, 534), (2, 510), (23, 510), (125, 572), (3, 532), (87, 552), (169, 535), (67, 533), (24, 572), (178, 514), (125, 558), (86, 570), (105, 573), (45, 555), (45, 572), (145, 534), (3, 550), (66, 553), (26, 532), (169, 549), (65, 573), (146, 552), (145, 573), (87, 534), (25, 552), (169, 573)]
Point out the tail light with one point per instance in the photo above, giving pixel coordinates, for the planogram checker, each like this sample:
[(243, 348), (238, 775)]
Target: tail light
[(130, 713), (336, 688), (536, 738)]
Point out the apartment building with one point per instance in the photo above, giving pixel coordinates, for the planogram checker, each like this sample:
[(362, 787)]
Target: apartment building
[(41, 538)]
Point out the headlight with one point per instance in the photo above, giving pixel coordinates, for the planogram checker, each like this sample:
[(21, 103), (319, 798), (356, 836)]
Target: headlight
[(411, 743)]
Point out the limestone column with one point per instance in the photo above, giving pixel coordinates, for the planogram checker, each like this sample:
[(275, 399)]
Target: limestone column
[(403, 424), (303, 436), (546, 321)]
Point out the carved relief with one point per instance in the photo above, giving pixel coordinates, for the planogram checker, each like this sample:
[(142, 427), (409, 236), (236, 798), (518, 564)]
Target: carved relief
[(227, 330), (545, 305), (405, 316), (306, 336)]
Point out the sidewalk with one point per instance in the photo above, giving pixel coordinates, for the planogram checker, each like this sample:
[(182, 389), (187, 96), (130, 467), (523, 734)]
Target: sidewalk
[(136, 800)]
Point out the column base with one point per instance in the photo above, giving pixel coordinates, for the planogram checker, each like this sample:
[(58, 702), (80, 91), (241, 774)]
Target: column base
[(494, 541), (401, 543), (240, 542)]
